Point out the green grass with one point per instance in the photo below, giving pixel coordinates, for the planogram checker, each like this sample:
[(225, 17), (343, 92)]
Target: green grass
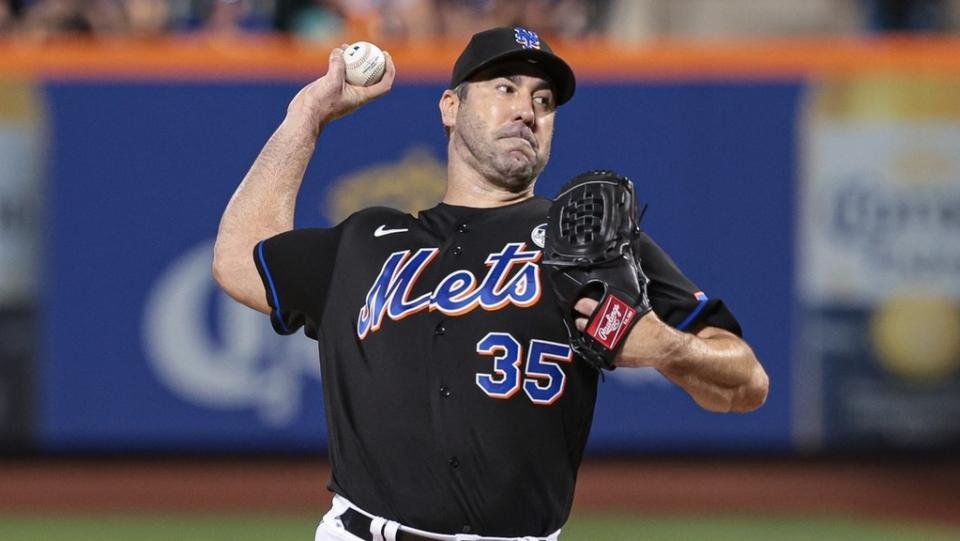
[(250, 527), (748, 528)]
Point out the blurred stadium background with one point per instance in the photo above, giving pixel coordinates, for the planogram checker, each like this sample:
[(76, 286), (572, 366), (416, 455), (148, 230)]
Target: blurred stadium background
[(801, 160)]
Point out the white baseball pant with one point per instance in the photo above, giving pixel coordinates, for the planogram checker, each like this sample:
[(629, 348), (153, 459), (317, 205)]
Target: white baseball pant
[(331, 529)]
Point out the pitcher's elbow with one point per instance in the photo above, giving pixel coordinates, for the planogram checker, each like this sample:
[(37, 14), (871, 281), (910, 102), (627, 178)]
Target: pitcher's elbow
[(217, 270), (225, 277), (753, 394)]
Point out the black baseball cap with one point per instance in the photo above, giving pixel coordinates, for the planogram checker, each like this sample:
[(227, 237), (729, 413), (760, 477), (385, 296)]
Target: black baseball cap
[(499, 44)]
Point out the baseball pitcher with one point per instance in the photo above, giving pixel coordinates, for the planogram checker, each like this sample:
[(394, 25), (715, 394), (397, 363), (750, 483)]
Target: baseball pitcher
[(461, 348)]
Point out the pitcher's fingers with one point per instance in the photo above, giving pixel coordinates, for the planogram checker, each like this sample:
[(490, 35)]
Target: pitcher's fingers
[(386, 82), (336, 68), (585, 306)]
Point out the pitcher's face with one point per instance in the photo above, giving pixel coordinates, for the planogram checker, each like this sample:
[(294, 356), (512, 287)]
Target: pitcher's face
[(504, 125)]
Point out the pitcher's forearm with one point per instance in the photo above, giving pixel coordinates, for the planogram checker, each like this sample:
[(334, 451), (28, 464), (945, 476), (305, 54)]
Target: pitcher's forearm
[(718, 370), (264, 203), (714, 366), (262, 206)]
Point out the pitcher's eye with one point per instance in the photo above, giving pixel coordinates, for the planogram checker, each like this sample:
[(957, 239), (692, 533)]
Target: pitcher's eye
[(544, 101)]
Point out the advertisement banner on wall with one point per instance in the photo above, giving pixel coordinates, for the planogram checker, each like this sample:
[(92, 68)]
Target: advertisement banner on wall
[(878, 362), (21, 153), (21, 156)]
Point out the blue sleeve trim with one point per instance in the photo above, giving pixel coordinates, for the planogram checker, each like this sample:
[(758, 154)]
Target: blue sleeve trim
[(273, 288), (693, 315)]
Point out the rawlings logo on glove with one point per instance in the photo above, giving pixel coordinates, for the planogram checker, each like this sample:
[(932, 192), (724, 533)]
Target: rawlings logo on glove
[(616, 317), (588, 252)]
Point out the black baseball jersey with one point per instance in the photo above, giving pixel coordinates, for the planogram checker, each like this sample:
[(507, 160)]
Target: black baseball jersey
[(453, 401)]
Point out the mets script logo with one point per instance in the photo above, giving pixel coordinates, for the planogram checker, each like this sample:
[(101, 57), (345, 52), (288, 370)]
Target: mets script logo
[(527, 39), (512, 278)]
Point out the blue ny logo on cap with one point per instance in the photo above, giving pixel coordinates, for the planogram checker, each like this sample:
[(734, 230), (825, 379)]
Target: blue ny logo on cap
[(528, 39)]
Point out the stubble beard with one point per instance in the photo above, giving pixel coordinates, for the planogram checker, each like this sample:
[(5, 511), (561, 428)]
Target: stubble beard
[(511, 170)]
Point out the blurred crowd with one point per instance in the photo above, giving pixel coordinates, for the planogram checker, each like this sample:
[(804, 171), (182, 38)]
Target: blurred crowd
[(329, 20)]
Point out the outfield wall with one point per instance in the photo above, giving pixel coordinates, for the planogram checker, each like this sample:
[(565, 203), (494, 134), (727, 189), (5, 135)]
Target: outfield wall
[(815, 186)]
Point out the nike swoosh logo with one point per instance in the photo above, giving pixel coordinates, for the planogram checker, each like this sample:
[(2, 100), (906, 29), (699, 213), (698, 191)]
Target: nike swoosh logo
[(382, 231)]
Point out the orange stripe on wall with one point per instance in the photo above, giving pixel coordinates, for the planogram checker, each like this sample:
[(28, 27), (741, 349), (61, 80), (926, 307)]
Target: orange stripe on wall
[(270, 57)]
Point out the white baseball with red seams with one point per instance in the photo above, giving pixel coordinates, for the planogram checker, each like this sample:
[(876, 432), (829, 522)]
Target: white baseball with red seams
[(365, 63)]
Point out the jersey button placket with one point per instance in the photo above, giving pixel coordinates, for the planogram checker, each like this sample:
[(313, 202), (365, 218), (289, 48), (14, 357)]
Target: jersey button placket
[(441, 329)]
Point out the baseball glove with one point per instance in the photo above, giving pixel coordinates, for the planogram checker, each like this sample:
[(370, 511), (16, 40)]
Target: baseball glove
[(588, 253)]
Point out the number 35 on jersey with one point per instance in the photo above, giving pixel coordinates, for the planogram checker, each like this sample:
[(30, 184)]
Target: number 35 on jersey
[(538, 372)]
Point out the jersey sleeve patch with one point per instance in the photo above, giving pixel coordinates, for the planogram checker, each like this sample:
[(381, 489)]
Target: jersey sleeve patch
[(702, 310), (701, 303)]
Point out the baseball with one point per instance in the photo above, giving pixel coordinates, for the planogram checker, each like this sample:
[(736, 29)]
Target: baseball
[(365, 63)]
